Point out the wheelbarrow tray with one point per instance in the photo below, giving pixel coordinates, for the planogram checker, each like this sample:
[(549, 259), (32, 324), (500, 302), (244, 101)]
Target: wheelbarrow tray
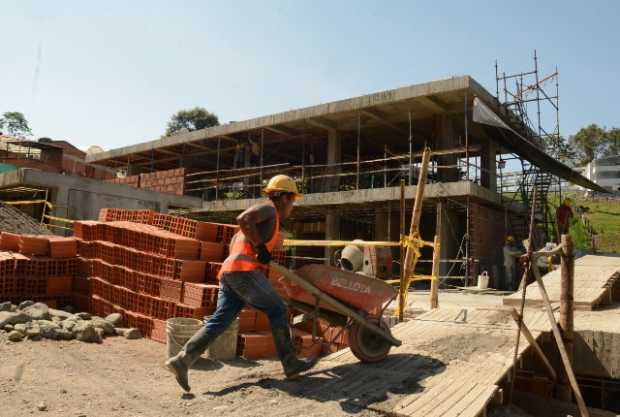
[(355, 290)]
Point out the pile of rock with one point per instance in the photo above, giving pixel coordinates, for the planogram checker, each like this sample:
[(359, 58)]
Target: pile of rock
[(33, 321)]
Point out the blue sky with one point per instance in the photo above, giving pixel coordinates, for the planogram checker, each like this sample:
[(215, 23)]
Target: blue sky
[(112, 72)]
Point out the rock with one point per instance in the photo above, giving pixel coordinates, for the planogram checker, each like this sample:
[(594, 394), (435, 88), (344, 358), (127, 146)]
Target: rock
[(115, 319), (68, 308), (8, 327), (25, 304), (9, 317), (59, 314), (85, 332), (33, 332), (5, 306), (106, 326), (100, 334), (49, 329), (84, 315), (68, 324), (41, 407), (16, 336), (37, 311), (131, 333), (21, 327), (64, 334)]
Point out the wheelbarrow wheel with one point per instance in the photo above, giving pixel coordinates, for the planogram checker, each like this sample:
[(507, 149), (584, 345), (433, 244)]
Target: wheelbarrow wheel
[(366, 345)]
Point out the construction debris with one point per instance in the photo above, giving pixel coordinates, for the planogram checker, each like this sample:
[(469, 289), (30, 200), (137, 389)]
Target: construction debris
[(13, 220)]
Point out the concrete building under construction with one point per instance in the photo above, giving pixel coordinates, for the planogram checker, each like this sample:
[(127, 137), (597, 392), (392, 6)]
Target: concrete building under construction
[(349, 158)]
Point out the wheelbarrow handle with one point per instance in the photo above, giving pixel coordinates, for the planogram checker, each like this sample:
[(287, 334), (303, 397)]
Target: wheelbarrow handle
[(335, 303)]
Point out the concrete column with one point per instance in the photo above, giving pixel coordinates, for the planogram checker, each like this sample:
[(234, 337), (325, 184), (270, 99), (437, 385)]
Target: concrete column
[(332, 232), (488, 176), (446, 139), (334, 156)]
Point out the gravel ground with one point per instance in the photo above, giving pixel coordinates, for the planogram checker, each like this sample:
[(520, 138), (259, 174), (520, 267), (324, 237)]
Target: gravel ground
[(125, 378)]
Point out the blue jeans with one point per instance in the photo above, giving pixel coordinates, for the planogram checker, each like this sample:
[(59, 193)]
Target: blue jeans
[(240, 288)]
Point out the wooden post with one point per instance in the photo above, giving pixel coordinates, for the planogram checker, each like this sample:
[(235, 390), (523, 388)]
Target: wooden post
[(567, 272), (408, 265), (435, 273), (401, 294), (436, 257), (568, 368)]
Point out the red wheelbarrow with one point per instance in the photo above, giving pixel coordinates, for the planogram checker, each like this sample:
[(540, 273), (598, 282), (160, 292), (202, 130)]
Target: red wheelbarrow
[(353, 301)]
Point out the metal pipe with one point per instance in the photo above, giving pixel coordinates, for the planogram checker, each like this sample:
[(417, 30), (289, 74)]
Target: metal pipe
[(401, 294), (357, 176), (217, 168), (467, 135), (410, 149)]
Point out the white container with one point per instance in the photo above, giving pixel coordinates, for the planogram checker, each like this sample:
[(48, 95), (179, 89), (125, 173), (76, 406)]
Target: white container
[(483, 281), (178, 331)]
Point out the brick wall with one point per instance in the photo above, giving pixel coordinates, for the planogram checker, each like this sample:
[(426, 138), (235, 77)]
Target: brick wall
[(486, 228), (170, 181)]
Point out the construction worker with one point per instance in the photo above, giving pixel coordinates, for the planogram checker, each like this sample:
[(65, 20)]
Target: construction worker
[(563, 215), (511, 254), (243, 281)]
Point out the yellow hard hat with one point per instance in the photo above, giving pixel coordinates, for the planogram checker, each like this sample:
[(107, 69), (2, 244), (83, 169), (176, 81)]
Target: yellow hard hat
[(282, 184), (510, 239)]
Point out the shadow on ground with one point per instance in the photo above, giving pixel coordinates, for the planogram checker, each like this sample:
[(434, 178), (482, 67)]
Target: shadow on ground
[(354, 386)]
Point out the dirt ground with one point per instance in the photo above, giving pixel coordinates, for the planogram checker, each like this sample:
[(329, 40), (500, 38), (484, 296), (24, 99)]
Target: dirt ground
[(125, 378)]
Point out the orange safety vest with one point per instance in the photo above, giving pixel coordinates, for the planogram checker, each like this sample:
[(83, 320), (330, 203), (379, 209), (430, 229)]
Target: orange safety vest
[(242, 256)]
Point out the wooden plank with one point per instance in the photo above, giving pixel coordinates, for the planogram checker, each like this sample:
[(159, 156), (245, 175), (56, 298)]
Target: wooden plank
[(478, 405)]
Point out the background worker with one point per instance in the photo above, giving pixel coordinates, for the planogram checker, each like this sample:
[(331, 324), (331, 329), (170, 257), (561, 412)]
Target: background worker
[(511, 254), (243, 281), (563, 216)]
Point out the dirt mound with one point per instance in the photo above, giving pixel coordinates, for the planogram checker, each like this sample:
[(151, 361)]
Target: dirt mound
[(13, 220)]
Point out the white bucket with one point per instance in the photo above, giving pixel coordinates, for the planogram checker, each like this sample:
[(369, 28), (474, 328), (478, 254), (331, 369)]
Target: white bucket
[(178, 331), (224, 347), (483, 281)]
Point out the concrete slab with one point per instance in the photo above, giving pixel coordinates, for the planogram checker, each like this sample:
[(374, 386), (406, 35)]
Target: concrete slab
[(367, 196)]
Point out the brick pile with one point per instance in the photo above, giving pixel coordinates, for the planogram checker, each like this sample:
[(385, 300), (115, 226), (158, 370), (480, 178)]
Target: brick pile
[(131, 180), (170, 181), (148, 267), (38, 268), (146, 273)]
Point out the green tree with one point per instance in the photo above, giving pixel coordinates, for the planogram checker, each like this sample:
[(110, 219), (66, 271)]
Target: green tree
[(612, 145), (15, 124), (192, 119), (589, 143)]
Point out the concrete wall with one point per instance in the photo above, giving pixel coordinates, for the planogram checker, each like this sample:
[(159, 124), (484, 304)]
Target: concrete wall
[(79, 198)]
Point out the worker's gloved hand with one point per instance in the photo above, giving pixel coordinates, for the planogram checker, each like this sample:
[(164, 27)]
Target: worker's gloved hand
[(262, 254)]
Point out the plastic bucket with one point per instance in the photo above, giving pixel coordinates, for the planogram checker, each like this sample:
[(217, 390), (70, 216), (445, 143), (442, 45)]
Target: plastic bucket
[(224, 347), (483, 281), (178, 331)]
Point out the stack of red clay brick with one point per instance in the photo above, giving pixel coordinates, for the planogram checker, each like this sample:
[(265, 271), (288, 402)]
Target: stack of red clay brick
[(39, 268), (146, 266), (150, 266), (169, 181)]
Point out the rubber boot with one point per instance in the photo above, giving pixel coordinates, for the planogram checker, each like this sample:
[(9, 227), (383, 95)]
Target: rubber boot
[(292, 366), (179, 365)]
